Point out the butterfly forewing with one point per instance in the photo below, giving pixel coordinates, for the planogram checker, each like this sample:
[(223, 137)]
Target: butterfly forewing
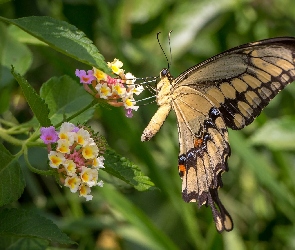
[(227, 90), (243, 80)]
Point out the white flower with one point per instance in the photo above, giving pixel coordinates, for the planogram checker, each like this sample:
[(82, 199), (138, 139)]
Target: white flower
[(56, 159), (89, 176), (63, 146), (104, 90), (85, 192), (116, 66), (130, 79), (119, 89), (70, 167), (100, 183), (136, 90), (98, 162), (129, 102), (73, 182), (90, 151), (82, 137), (67, 132)]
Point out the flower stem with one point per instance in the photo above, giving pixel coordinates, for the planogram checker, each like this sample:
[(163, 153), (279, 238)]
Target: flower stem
[(35, 170)]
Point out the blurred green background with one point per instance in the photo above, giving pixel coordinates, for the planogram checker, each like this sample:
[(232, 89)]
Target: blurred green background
[(259, 189)]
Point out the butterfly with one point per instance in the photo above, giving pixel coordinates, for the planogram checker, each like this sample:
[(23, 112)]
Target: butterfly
[(226, 91)]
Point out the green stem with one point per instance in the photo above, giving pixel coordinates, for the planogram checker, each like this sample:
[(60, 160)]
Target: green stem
[(9, 124), (35, 170), (9, 138), (93, 103)]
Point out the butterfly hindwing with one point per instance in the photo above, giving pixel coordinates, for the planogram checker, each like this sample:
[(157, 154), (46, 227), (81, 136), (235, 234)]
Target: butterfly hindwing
[(204, 149)]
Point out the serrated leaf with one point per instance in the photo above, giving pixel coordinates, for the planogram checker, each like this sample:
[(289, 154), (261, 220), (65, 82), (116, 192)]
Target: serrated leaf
[(27, 224), (277, 134), (125, 170), (35, 102), (25, 244), (11, 178), (64, 98), (62, 37)]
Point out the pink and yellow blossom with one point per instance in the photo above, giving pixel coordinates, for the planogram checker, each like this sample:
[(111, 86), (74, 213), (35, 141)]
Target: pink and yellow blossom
[(117, 91), (78, 163), (86, 78)]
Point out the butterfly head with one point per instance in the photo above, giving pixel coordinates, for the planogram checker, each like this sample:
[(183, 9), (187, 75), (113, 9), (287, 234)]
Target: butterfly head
[(165, 73)]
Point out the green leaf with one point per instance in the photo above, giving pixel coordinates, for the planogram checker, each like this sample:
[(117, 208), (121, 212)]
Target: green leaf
[(14, 243), (12, 52), (64, 98), (125, 170), (27, 224), (153, 237), (12, 182), (62, 37), (23, 36), (261, 170), (36, 104), (277, 134)]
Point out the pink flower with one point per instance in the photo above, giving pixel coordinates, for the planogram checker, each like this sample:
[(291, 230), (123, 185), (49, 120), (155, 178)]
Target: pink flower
[(75, 130), (111, 80), (48, 135), (85, 77), (128, 113)]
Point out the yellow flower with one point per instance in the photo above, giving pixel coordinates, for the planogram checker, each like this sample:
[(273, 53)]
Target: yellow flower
[(90, 151), (73, 182), (56, 159), (119, 89), (70, 167), (83, 137), (116, 66), (89, 176), (63, 146), (129, 102), (99, 75), (103, 90), (85, 192)]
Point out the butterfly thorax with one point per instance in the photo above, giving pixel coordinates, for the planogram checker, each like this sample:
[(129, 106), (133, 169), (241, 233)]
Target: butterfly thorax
[(164, 100), (164, 87)]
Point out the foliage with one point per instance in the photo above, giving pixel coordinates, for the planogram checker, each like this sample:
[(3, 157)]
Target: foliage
[(41, 45)]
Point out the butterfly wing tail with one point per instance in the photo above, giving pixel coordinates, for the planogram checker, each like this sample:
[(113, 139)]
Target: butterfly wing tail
[(222, 219)]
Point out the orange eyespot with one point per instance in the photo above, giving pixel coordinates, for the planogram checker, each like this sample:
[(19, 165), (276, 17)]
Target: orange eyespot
[(198, 142), (181, 170)]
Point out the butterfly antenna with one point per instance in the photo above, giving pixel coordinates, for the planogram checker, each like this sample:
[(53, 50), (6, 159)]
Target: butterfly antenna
[(147, 98), (169, 41), (163, 49)]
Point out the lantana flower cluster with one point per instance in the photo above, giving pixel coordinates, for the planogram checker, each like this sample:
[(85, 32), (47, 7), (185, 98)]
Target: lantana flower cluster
[(118, 91), (76, 156)]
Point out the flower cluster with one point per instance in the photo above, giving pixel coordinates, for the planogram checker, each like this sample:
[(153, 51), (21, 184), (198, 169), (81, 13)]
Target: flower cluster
[(118, 91), (76, 156)]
